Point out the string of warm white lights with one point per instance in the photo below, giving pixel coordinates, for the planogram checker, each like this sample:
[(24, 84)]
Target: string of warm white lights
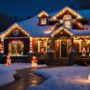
[(67, 9), (12, 28), (60, 29), (43, 13)]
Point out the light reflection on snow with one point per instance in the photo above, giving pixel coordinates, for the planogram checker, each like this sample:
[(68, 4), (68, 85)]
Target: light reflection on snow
[(77, 80)]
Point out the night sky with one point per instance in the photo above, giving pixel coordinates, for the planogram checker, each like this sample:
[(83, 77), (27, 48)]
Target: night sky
[(24, 8)]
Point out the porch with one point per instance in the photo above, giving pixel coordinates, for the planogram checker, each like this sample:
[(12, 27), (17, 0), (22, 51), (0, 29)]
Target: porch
[(49, 59)]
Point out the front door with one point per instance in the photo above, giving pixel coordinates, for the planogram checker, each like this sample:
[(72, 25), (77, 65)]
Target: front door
[(63, 49), (57, 48)]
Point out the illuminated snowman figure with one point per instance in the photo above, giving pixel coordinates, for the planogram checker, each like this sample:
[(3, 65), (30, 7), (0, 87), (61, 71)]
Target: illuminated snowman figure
[(8, 60), (34, 61), (83, 51)]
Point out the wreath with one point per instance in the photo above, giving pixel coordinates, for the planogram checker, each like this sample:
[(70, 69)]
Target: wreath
[(16, 32)]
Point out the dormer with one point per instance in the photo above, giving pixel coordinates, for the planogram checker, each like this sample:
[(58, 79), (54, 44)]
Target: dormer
[(43, 18), (67, 21), (67, 10)]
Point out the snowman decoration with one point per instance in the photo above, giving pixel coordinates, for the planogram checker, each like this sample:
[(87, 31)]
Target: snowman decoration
[(34, 61), (8, 60)]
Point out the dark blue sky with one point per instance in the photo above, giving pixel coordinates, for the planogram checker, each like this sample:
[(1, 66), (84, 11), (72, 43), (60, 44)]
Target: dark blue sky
[(25, 8)]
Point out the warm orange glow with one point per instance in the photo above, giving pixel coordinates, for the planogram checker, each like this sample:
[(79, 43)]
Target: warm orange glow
[(83, 81), (84, 51), (48, 31), (52, 28), (43, 13), (8, 60), (12, 28), (34, 61), (79, 24), (89, 77), (43, 21), (67, 9), (60, 29)]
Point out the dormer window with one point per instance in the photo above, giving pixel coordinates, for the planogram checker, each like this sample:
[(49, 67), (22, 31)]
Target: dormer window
[(67, 21), (43, 18), (43, 21), (67, 24)]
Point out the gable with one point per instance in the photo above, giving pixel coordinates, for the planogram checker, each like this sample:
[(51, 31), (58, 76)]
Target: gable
[(15, 31), (62, 32), (43, 14), (67, 10)]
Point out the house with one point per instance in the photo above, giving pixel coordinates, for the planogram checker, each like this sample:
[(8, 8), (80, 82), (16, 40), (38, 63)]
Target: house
[(61, 32)]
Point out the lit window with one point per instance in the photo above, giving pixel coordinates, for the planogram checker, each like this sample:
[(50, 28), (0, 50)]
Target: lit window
[(42, 46), (67, 17), (16, 48), (67, 24), (67, 20), (43, 21), (85, 45)]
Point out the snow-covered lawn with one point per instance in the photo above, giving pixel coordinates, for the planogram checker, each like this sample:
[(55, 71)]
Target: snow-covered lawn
[(64, 78), (7, 72)]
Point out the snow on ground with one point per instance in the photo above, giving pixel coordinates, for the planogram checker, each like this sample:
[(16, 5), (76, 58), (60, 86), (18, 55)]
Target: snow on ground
[(7, 72), (64, 78)]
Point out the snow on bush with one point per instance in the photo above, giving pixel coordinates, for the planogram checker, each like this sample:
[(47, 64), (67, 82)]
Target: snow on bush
[(6, 76), (7, 72)]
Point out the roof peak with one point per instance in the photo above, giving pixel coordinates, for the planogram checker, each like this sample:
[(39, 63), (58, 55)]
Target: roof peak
[(70, 10), (43, 13)]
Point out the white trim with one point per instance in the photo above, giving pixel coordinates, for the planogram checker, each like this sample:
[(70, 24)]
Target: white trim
[(69, 9), (61, 28), (79, 45), (15, 37), (41, 13), (11, 28)]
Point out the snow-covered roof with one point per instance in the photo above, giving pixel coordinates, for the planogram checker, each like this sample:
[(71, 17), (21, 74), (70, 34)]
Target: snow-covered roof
[(75, 32), (31, 25), (36, 30), (81, 32)]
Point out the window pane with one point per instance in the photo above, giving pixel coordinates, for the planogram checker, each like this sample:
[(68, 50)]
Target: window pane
[(15, 48), (67, 24), (43, 21)]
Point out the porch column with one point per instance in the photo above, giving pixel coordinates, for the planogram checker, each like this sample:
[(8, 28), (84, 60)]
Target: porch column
[(72, 44), (72, 51), (50, 52)]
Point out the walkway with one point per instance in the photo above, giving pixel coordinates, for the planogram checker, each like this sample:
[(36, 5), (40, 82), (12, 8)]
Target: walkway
[(25, 78)]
